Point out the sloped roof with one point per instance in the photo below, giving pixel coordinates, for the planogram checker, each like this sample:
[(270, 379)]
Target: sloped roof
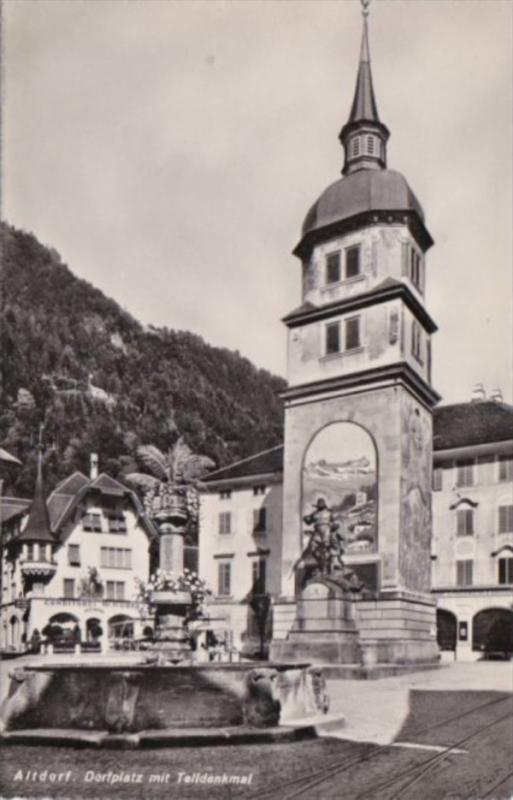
[(467, 424), (7, 457), (364, 108), (458, 425), (107, 485), (38, 527), (72, 484), (263, 463), (11, 507), (366, 190)]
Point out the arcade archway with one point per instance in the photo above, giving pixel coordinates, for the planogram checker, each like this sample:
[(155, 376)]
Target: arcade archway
[(492, 631), (446, 629)]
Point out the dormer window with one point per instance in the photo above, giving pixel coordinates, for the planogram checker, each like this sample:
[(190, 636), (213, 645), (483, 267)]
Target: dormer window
[(352, 261), (333, 267), (92, 522), (117, 522)]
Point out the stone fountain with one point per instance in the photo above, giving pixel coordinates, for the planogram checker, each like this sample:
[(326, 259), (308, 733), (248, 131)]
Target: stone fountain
[(166, 699)]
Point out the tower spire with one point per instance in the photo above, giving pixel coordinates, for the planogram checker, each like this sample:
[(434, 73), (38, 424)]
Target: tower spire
[(364, 136), (38, 528)]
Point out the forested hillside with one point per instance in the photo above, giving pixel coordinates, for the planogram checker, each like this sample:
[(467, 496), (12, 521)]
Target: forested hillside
[(101, 382)]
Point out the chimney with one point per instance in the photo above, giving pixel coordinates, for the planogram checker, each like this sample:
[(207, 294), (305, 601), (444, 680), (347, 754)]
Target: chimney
[(478, 393), (93, 467)]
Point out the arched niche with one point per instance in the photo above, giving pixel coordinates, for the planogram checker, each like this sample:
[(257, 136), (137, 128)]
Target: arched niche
[(340, 466)]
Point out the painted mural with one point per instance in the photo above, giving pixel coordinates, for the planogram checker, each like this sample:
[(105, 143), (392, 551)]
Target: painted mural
[(340, 467)]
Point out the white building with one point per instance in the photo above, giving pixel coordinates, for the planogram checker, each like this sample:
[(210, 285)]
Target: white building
[(74, 562), (240, 532), (472, 553)]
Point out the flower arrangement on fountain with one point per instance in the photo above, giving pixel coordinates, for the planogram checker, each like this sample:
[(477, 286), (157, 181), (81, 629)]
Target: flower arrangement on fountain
[(188, 582)]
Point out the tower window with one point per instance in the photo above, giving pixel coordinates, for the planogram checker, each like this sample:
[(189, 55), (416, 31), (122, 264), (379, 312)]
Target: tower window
[(353, 261), (333, 268), (416, 342), (332, 338), (464, 570), (30, 552), (356, 146), (352, 333), (416, 269), (370, 145)]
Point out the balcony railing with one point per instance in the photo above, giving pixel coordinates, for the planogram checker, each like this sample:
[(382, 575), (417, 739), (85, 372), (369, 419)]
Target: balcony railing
[(33, 567)]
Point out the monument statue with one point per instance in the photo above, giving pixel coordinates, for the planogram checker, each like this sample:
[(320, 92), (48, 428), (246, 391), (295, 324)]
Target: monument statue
[(326, 547), (325, 544)]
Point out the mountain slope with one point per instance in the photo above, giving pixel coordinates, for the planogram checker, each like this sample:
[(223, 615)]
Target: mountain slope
[(101, 382)]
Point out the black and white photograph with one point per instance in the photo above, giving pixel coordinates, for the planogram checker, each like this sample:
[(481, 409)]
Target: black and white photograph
[(256, 400)]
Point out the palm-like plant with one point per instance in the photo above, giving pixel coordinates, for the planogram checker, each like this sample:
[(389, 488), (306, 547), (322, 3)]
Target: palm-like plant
[(170, 489)]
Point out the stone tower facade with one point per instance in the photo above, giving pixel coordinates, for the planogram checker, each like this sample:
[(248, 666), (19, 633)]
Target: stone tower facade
[(358, 410)]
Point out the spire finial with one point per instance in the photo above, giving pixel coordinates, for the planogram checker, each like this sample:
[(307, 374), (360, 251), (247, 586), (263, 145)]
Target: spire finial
[(365, 8)]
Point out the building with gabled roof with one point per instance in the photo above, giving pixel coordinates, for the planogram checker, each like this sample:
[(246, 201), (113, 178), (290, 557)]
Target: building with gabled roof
[(74, 561)]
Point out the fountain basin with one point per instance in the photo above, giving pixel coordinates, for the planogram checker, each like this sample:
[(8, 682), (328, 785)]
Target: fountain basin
[(139, 703)]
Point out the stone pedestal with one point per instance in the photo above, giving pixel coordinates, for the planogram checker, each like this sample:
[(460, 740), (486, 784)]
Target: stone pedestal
[(171, 549), (324, 628), (172, 642)]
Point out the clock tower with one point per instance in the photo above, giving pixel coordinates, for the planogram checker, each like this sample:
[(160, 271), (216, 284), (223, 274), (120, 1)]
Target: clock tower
[(358, 408)]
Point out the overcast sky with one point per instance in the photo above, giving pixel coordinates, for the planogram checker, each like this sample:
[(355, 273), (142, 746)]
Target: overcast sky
[(170, 151)]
